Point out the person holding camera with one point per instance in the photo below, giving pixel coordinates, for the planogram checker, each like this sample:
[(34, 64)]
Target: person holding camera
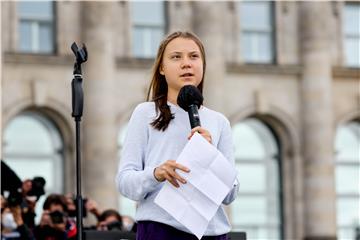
[(89, 205), (55, 223), (22, 193), (32, 190), (12, 224), (110, 220)]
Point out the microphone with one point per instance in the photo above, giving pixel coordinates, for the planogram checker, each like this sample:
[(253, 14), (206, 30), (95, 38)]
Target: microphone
[(190, 99)]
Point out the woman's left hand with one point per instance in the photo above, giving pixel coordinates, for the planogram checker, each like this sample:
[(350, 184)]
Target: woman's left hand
[(203, 132)]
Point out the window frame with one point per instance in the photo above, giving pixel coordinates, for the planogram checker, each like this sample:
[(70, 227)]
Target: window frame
[(347, 36), (347, 163), (271, 32), (148, 27), (35, 22), (266, 194)]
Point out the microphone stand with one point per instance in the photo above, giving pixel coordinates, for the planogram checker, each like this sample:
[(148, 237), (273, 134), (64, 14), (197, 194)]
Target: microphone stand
[(77, 110)]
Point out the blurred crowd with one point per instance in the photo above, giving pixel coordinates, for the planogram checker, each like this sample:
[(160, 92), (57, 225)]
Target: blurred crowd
[(58, 218)]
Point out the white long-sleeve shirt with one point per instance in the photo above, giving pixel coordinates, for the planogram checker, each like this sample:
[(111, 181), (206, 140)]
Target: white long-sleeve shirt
[(146, 148)]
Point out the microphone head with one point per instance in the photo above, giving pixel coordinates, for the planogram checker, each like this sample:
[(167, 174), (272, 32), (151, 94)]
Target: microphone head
[(189, 95)]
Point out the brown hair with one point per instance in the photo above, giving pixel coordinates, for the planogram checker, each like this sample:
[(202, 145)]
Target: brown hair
[(55, 199), (158, 88)]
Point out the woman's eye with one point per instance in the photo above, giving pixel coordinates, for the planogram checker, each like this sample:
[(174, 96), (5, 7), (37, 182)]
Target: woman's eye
[(195, 56), (176, 57)]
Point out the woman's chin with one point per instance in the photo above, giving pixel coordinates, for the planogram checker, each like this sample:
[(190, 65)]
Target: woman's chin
[(185, 83)]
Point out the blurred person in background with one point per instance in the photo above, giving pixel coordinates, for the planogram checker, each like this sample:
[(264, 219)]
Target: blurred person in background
[(22, 193), (89, 205), (110, 220), (12, 224), (55, 223)]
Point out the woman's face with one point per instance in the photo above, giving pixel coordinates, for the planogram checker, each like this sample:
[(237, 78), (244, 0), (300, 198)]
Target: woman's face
[(182, 64)]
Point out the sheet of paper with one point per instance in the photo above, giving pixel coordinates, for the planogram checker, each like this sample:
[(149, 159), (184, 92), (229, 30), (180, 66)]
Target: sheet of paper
[(210, 179)]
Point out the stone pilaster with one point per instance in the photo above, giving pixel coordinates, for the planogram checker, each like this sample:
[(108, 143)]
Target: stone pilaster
[(208, 25), (99, 138), (180, 16), (317, 119)]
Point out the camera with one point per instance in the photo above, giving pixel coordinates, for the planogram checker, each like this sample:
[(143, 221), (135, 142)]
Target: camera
[(37, 188), (114, 226), (14, 199), (57, 217)]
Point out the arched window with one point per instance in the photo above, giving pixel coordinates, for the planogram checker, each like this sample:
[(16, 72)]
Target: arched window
[(33, 146), (347, 147), (126, 206), (148, 27), (257, 209)]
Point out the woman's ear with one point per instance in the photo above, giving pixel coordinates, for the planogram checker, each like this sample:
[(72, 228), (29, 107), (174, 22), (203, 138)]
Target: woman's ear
[(161, 70)]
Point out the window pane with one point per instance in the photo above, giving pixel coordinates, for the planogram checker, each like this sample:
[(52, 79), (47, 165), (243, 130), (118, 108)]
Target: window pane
[(348, 212), (156, 36), (257, 208), (264, 53), (146, 41), (26, 134), (351, 19), (249, 46), (256, 31), (273, 180), (255, 15), (257, 47), (346, 233), (46, 38), (247, 142), (24, 168), (249, 211), (127, 207), (25, 36), (35, 9), (148, 27), (251, 177), (348, 179), (347, 143), (36, 26), (147, 13), (352, 34), (352, 51)]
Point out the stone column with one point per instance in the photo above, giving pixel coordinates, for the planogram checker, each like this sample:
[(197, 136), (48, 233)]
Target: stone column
[(180, 15), (208, 25), (317, 119), (99, 138)]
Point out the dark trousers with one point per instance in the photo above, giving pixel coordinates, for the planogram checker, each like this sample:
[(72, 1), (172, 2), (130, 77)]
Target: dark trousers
[(149, 230)]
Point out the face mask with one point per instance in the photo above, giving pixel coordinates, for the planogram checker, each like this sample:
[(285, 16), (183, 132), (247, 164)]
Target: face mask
[(8, 221)]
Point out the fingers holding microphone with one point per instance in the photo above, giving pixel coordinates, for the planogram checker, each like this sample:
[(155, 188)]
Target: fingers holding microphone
[(166, 171), (202, 131)]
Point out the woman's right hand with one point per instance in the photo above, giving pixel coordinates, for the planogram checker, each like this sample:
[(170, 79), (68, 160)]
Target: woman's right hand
[(166, 171)]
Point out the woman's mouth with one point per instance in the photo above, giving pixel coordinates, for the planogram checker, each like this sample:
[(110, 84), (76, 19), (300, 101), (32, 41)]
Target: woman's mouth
[(185, 75)]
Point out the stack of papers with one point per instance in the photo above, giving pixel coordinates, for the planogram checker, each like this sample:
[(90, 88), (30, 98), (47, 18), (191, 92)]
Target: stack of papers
[(210, 179)]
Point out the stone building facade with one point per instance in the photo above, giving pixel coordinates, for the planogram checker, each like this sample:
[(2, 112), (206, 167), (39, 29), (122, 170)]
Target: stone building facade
[(302, 91)]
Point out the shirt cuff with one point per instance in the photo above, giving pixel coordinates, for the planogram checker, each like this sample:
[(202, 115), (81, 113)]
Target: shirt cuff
[(150, 180)]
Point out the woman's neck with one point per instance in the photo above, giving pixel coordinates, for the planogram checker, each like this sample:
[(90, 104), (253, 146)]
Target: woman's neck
[(172, 97)]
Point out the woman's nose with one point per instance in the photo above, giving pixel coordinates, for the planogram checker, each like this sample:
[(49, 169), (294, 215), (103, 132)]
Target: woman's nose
[(185, 63)]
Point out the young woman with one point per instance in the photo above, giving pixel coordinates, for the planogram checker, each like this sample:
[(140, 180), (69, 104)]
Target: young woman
[(158, 131)]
